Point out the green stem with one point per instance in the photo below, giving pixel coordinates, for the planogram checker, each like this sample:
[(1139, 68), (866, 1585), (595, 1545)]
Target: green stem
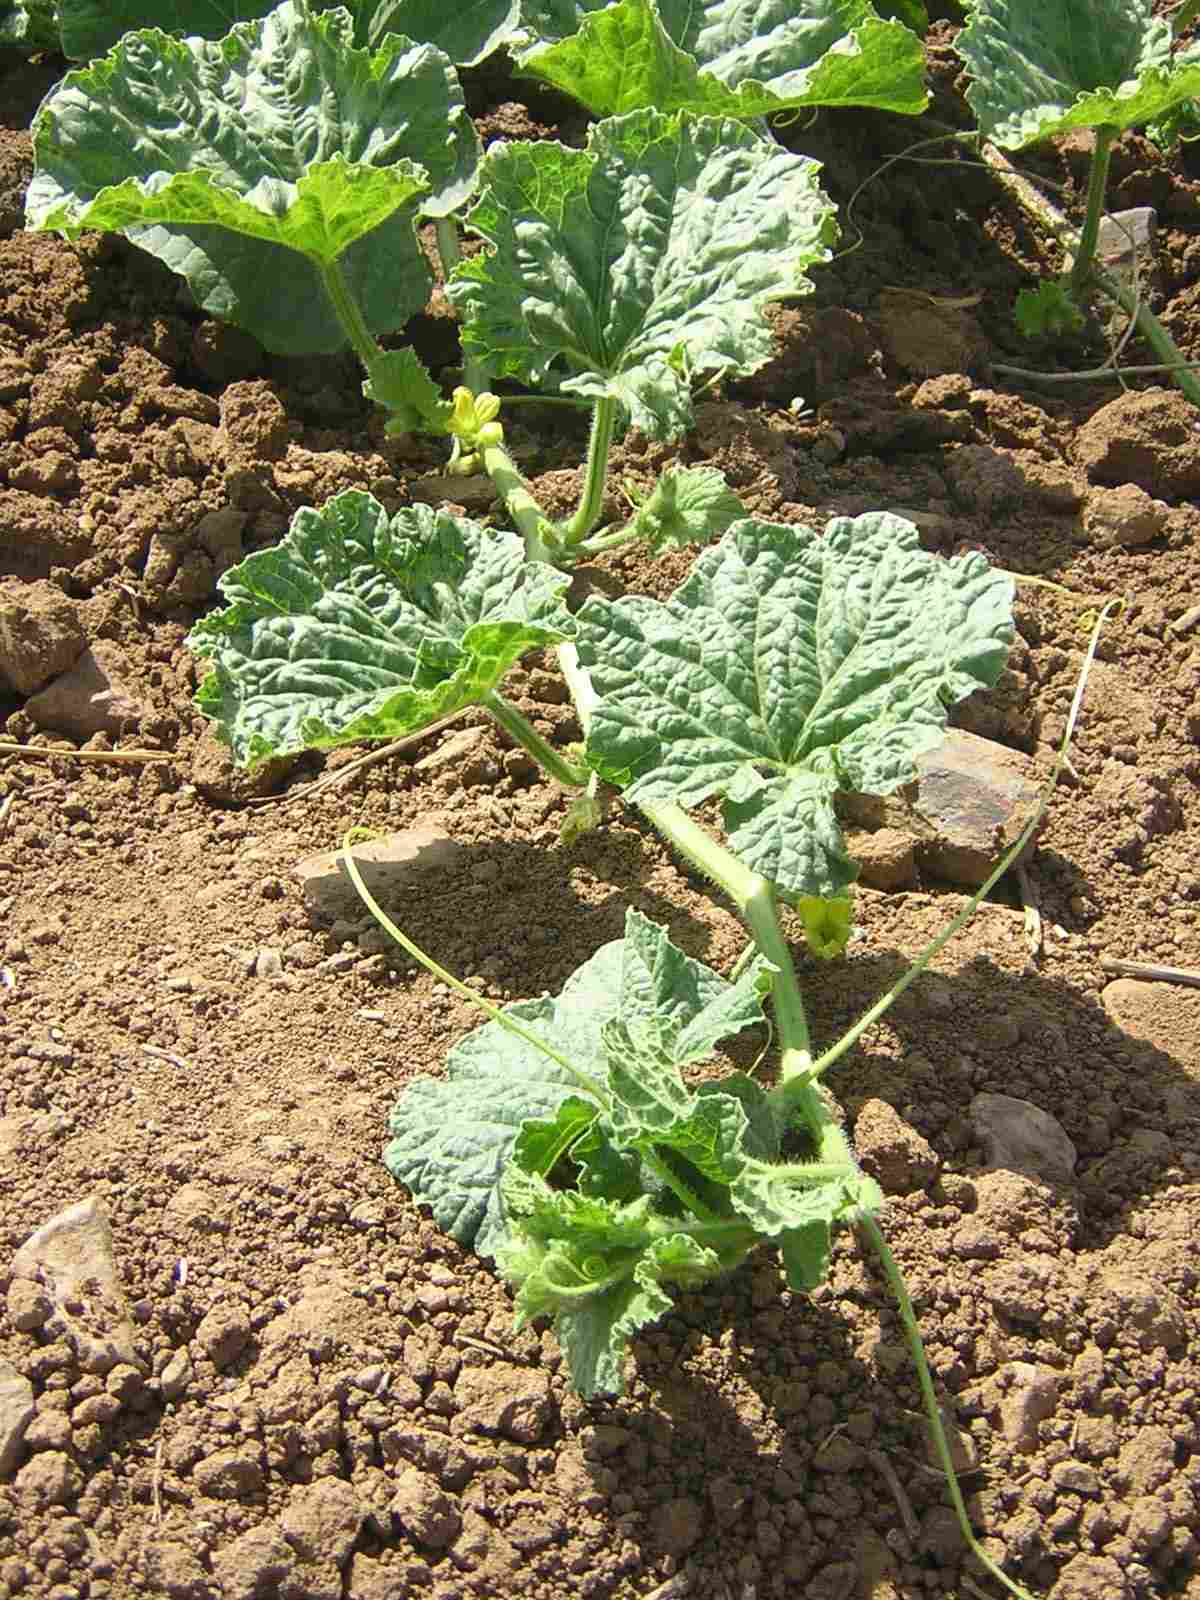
[(916, 1346), (600, 542), (475, 374), (349, 313), (1085, 255), (522, 730), (513, 488), (599, 444), (707, 856)]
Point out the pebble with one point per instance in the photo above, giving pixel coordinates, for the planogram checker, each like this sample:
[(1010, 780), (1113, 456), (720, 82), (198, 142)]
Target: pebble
[(268, 963), (1019, 1136)]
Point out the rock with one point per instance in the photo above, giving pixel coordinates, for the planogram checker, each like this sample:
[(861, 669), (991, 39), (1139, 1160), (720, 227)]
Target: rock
[(16, 1413), (95, 696), (886, 859), (1148, 438), (893, 1152), (1124, 516), (49, 1479), (513, 1401), (1168, 1015), (1090, 1578), (677, 1525), (973, 798), (984, 479), (425, 1510), (41, 634), (71, 1256), (1022, 1137), (217, 778), (232, 1474), (252, 1565), (321, 1522), (223, 1334), (1031, 1398), (387, 865), (451, 750), (29, 1305), (473, 491)]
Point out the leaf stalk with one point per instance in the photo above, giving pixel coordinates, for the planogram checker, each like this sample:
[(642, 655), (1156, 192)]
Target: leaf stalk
[(1085, 255), (519, 727), (349, 313), (604, 419), (475, 374)]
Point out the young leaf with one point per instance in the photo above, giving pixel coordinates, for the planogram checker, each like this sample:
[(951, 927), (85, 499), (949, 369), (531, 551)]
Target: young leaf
[(400, 383), (249, 164), (651, 1106), (776, 1201), (453, 1137), (1042, 67), (646, 256), (789, 666), (542, 1144), (730, 58), (357, 626), (805, 1253), (688, 505)]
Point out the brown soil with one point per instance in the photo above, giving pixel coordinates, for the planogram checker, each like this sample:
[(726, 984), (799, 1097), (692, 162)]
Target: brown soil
[(354, 1415)]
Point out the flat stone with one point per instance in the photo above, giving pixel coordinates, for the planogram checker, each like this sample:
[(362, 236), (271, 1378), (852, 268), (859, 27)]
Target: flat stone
[(16, 1413), (473, 491), (387, 865), (95, 696), (1019, 1136), (72, 1257), (973, 799), (1166, 1014), (451, 750), (41, 634)]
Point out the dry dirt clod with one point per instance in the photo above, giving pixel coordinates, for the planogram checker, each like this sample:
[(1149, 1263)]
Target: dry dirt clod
[(16, 1413), (41, 634), (1124, 516), (98, 695), (893, 1152)]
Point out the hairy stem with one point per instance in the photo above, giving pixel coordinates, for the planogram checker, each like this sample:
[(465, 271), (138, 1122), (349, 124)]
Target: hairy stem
[(916, 1346), (522, 730), (475, 374), (349, 313), (514, 490), (1085, 255), (599, 444)]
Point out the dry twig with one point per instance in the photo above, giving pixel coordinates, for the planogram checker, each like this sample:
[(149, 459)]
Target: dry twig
[(887, 1472), (1151, 971), (330, 780), (49, 753)]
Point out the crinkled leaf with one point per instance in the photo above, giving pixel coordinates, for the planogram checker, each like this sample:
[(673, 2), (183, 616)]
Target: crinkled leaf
[(246, 164), (613, 1174), (688, 505), (775, 1200), (730, 58), (360, 626), (1043, 67), (466, 30), (790, 665), (639, 260), (651, 1106), (452, 1137), (400, 382), (764, 1127), (805, 1253), (542, 1144), (30, 25)]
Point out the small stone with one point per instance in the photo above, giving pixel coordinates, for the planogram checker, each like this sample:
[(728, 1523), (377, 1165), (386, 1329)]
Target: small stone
[(1021, 1137), (473, 491), (1124, 516), (41, 634), (72, 1257), (677, 1525), (886, 859), (101, 1409), (1031, 1398), (254, 1564), (451, 750), (49, 1479), (176, 1376), (974, 798), (97, 695), (49, 1430), (229, 1474), (29, 1306), (425, 1510), (16, 1413), (892, 1151), (268, 963), (223, 1334), (1076, 1477), (388, 866)]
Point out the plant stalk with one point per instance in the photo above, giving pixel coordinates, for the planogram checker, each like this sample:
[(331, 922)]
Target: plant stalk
[(475, 374), (522, 730), (514, 490), (1048, 216), (1085, 255), (916, 1345), (604, 420), (349, 313)]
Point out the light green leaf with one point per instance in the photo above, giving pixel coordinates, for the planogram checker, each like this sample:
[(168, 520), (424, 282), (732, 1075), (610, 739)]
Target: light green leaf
[(453, 1138), (466, 30), (647, 256), (542, 1144), (688, 505), (730, 58), (778, 1199), (826, 925), (357, 626), (790, 665), (248, 164), (401, 384), (1042, 67), (29, 25), (805, 1253), (651, 1106)]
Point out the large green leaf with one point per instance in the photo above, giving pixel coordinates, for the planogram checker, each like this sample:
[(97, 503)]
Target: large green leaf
[(358, 626), (640, 260), (733, 58), (90, 27), (243, 164), (790, 665), (1043, 67), (29, 25), (466, 30)]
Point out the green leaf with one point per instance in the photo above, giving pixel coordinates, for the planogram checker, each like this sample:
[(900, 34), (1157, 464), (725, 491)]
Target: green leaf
[(1042, 67), (542, 1144), (453, 1137), (730, 58), (466, 30), (1047, 310), (790, 665), (805, 1253), (401, 384), (652, 1107), (647, 256), (249, 164), (90, 27), (357, 626), (30, 25), (688, 505), (778, 1199)]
